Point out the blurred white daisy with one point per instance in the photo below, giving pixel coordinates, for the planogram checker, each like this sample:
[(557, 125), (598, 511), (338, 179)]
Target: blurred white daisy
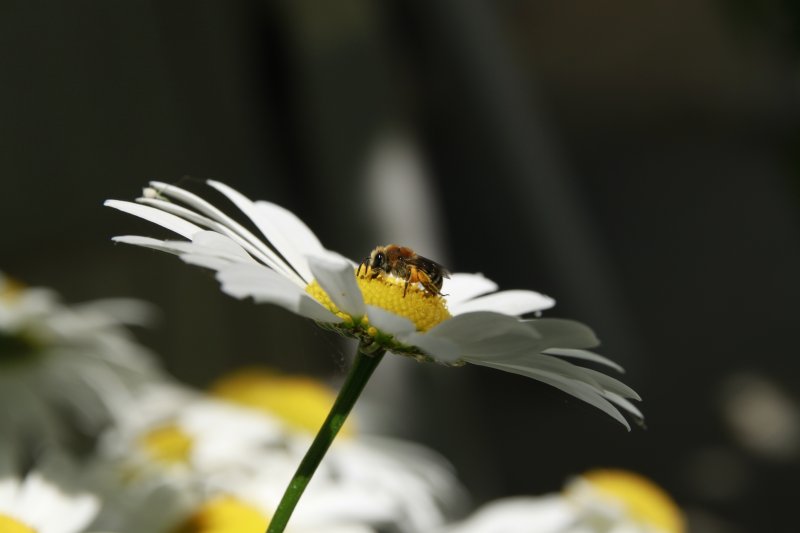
[(227, 513), (401, 483), (246, 444), (184, 436), (46, 500), (63, 365), (600, 501), (168, 505), (473, 324)]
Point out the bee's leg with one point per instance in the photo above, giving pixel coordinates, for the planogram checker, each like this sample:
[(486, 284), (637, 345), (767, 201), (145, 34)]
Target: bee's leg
[(405, 287), (437, 287), (430, 288), (425, 280), (412, 276)]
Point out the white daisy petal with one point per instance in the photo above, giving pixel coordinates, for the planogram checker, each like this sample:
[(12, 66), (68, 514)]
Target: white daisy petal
[(563, 333), (545, 363), (580, 390), (585, 355), (293, 240), (166, 220), (441, 349), (460, 287), (335, 275), (35, 493), (474, 332), (206, 261), (201, 207), (283, 240), (75, 517), (514, 302), (230, 229), (477, 325), (266, 285), (181, 248), (166, 190), (287, 222), (613, 385), (389, 322), (298, 240), (583, 392), (172, 247), (50, 501), (624, 403), (212, 239), (9, 489)]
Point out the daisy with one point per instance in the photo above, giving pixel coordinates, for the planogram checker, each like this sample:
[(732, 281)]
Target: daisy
[(233, 514), (46, 500), (241, 446), (599, 501), (57, 360), (167, 504), (184, 436), (474, 323), (214, 512), (229, 460)]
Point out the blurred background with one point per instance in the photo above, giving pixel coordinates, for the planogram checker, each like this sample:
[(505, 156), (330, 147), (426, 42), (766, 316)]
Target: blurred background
[(635, 160)]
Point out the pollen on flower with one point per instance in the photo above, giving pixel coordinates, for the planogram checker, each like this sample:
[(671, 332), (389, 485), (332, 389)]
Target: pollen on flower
[(225, 514), (644, 500), (423, 309), (167, 444), (321, 296), (301, 402), (10, 525)]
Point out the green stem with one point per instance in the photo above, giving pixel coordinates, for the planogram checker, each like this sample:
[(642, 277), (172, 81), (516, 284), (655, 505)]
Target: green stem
[(364, 364)]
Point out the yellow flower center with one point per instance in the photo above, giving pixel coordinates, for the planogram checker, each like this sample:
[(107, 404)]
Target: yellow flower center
[(10, 525), (425, 310), (645, 502), (301, 402), (168, 444), (10, 290), (225, 515)]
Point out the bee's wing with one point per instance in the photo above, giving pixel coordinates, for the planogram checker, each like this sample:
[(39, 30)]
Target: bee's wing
[(428, 265)]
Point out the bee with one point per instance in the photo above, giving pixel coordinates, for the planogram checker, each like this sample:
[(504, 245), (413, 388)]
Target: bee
[(407, 265)]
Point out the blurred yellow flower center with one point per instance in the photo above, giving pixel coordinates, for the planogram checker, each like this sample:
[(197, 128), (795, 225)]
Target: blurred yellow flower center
[(9, 525), (645, 501), (10, 290), (301, 402), (167, 444), (225, 515), (423, 309)]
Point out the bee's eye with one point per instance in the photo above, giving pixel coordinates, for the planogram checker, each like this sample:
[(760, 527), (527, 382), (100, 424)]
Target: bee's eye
[(379, 258)]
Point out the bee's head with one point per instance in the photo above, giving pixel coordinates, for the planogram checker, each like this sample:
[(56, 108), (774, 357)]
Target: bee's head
[(378, 260)]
